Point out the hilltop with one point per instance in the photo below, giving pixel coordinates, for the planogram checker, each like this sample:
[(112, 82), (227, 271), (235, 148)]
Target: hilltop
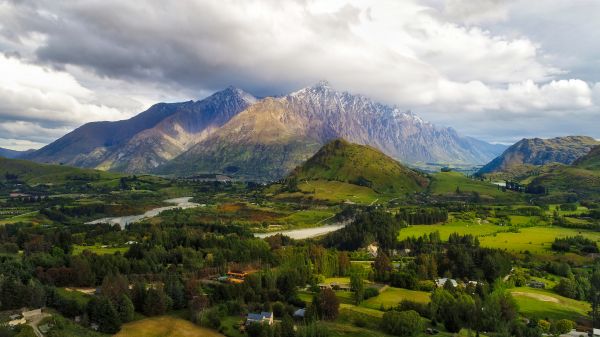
[(527, 154), (35, 173), (360, 165)]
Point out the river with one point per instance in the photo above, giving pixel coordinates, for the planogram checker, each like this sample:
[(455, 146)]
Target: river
[(305, 233), (122, 221)]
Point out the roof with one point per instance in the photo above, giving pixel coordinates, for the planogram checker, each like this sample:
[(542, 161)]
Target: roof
[(259, 317), (300, 312)]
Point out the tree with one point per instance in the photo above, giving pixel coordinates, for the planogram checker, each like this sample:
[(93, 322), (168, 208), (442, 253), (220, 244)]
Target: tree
[(343, 263), (287, 326), (594, 296), (326, 305), (125, 309), (566, 287), (174, 289), (101, 311), (402, 323), (156, 302), (114, 286), (357, 285), (383, 267)]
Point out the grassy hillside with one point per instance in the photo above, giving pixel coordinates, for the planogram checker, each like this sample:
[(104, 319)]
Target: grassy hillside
[(359, 165), (34, 173), (447, 183), (590, 161)]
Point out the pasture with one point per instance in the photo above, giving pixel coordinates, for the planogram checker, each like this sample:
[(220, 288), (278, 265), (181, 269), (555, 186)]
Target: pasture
[(391, 297), (165, 326), (545, 304)]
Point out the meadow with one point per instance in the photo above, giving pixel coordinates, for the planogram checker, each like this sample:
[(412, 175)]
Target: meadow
[(165, 326), (391, 297), (545, 304)]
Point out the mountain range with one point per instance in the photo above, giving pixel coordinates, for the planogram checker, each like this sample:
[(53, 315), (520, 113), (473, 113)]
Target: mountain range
[(234, 132)]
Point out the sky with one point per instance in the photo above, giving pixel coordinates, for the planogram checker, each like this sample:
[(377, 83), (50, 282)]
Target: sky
[(498, 70)]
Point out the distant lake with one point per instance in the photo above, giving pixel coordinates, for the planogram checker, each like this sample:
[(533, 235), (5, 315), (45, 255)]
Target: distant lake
[(122, 221)]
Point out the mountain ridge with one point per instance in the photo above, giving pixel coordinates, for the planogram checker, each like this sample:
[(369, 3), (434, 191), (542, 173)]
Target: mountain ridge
[(537, 152), (231, 131), (293, 127)]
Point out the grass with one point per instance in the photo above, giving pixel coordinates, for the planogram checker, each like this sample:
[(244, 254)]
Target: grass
[(453, 226), (79, 297), (447, 182), (363, 165), (98, 249), (536, 240), (165, 326), (545, 304), (391, 297), (35, 173), (333, 191)]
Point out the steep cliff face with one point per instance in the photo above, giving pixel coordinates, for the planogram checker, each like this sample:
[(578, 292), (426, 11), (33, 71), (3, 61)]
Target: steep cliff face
[(537, 152), (273, 136)]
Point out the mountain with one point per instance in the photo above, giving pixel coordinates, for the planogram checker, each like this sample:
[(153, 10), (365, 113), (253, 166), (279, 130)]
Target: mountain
[(591, 161), (8, 153), (537, 152), (581, 179), (361, 165), (147, 140), (276, 134)]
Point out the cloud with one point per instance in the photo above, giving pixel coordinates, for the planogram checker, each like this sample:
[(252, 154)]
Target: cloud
[(456, 61), (474, 12)]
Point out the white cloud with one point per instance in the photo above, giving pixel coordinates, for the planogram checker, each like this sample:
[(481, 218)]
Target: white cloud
[(455, 61)]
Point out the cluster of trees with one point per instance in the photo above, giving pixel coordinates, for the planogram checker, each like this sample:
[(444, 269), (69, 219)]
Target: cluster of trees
[(422, 216), (370, 225), (577, 244), (459, 257)]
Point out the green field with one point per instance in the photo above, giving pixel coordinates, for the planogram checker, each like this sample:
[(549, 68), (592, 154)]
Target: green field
[(536, 240), (447, 182), (545, 304), (333, 191), (165, 326), (391, 297)]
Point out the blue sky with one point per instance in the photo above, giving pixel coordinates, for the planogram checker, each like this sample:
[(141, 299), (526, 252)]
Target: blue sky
[(495, 70)]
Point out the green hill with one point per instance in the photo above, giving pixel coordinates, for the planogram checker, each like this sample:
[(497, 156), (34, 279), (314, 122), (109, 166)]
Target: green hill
[(359, 165), (582, 178), (590, 161), (34, 173)]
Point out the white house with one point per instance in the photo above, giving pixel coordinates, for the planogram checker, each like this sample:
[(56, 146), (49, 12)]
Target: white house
[(442, 281)]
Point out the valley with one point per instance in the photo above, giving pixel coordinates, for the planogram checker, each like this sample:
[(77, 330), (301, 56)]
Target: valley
[(350, 236)]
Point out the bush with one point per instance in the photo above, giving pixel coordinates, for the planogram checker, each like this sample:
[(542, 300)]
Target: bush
[(371, 292), (402, 323)]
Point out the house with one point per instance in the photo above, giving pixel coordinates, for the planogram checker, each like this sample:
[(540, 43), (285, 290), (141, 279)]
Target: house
[(323, 286), (442, 281), (537, 284), (372, 249), (263, 317), (300, 313)]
